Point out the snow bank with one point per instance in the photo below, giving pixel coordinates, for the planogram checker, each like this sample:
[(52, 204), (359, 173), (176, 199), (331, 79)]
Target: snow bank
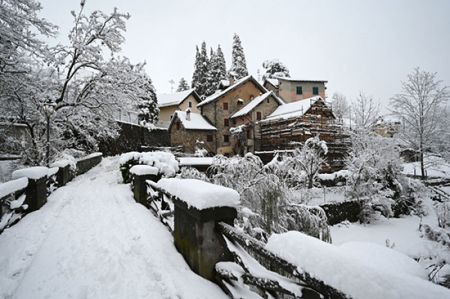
[(343, 269), (200, 194), (332, 176), (34, 173), (143, 170), (165, 162), (13, 186)]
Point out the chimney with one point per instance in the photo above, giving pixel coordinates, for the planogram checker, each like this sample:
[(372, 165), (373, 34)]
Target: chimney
[(231, 77), (188, 114)]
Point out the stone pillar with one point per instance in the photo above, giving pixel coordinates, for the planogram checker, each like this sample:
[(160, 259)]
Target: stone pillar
[(36, 193), (64, 175), (197, 238), (139, 187)]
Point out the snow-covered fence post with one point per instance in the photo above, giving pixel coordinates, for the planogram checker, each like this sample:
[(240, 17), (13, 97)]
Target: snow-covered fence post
[(199, 207), (36, 191), (139, 174)]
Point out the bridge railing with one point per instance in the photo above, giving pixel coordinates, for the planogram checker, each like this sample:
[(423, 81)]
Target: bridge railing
[(211, 246)]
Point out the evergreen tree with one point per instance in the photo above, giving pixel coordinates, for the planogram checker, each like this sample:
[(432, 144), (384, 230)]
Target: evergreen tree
[(148, 106), (195, 76), (200, 79), (222, 68), (183, 85), (213, 75), (238, 64)]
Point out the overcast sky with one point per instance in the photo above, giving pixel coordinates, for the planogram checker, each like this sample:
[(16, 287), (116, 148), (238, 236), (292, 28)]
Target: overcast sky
[(355, 45)]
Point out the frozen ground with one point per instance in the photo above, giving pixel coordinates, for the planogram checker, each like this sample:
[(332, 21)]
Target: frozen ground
[(91, 240)]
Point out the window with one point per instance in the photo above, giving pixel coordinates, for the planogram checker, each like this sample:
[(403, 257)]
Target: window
[(226, 138), (190, 104), (225, 106), (209, 138), (299, 90), (268, 100), (315, 90), (178, 126), (258, 115), (226, 123), (233, 121)]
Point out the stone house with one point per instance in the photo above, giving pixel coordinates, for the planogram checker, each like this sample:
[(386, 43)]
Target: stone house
[(243, 130), (168, 103), (188, 129), (219, 107), (291, 90)]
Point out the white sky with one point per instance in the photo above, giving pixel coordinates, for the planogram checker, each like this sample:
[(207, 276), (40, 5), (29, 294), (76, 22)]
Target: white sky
[(355, 45)]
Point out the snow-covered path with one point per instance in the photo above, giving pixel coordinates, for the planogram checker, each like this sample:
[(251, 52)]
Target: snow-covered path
[(91, 240)]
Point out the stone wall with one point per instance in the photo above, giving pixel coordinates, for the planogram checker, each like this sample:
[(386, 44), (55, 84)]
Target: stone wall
[(132, 137)]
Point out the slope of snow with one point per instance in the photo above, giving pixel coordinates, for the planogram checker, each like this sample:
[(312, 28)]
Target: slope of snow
[(200, 194), (92, 240), (434, 167), (342, 269)]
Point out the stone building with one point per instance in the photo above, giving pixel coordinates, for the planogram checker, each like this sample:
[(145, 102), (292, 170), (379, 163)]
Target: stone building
[(291, 90), (243, 121), (219, 107), (188, 129), (168, 103)]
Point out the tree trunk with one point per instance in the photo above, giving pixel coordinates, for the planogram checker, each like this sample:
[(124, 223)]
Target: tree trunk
[(310, 182), (422, 167)]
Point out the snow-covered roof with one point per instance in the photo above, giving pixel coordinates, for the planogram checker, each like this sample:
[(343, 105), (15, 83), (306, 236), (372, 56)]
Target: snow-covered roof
[(273, 81), (299, 79), (294, 109), (255, 102), (196, 121), (171, 99), (218, 93)]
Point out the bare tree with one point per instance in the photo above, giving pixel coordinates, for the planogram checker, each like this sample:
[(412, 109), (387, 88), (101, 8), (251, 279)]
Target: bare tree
[(365, 111), (340, 106), (421, 108)]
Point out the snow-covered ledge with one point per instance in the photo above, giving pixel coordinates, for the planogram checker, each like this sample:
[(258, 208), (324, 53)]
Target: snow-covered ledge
[(36, 191), (199, 206)]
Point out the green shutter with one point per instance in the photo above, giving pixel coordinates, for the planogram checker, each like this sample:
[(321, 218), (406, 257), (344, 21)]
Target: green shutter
[(299, 90)]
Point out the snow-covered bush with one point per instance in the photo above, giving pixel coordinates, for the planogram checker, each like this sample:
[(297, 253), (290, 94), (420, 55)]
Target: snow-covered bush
[(269, 205), (192, 173), (166, 163), (288, 173)]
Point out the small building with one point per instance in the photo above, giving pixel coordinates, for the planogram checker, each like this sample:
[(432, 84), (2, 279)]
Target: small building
[(243, 130), (291, 90), (290, 125), (188, 129), (387, 126), (168, 103), (219, 107)]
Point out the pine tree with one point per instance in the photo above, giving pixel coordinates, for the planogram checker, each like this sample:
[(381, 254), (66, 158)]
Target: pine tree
[(200, 79), (195, 76), (238, 64), (221, 64), (213, 75), (275, 68), (148, 106), (182, 85)]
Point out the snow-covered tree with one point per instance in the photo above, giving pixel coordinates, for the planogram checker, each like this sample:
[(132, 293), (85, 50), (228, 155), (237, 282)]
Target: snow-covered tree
[(221, 65), (365, 111), (148, 105), (421, 107), (201, 76), (238, 63), (182, 85), (274, 68), (310, 158), (83, 88), (340, 106)]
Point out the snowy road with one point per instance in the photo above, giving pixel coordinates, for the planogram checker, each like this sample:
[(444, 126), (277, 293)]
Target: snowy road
[(91, 240)]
